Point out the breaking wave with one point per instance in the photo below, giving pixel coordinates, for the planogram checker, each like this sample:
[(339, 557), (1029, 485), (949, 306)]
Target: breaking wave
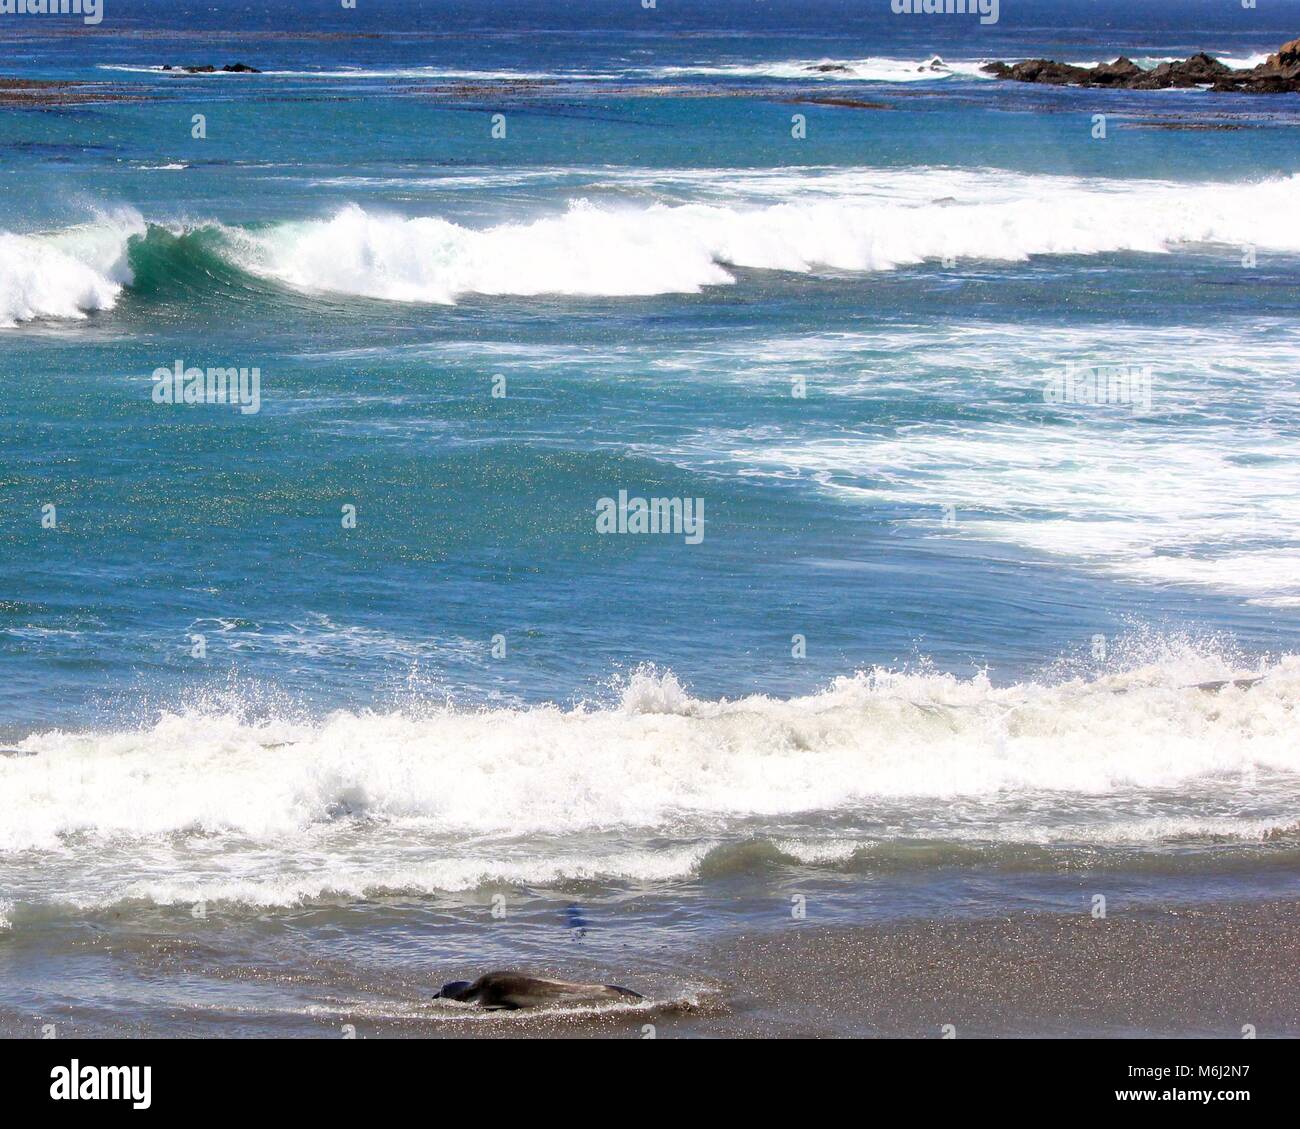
[(596, 250), (65, 274), (879, 770), (849, 220)]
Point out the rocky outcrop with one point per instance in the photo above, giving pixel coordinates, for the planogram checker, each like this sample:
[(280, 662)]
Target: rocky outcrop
[(229, 68), (1289, 56), (1280, 73), (35, 92), (1040, 70)]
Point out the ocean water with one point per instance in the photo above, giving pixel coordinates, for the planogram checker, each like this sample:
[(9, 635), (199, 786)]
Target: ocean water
[(306, 706)]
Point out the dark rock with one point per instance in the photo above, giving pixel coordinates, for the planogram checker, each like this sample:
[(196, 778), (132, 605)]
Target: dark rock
[(208, 68), (1280, 74), (1185, 124), (1258, 84), (844, 103), (1287, 57), (31, 93), (1122, 70), (830, 68), (1201, 63), (1048, 71)]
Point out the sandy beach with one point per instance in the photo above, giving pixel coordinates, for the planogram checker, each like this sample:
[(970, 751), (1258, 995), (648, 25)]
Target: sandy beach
[(1205, 971)]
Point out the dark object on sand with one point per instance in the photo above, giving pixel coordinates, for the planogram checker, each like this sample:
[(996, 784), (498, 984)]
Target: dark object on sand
[(510, 991), (229, 68), (1280, 73)]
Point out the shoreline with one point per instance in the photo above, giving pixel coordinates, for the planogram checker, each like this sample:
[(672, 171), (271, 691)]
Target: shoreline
[(1226, 969), (1215, 970)]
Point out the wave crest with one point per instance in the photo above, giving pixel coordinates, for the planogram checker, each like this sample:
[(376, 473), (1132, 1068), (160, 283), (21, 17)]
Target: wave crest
[(855, 220), (887, 221), (660, 759), (65, 274)]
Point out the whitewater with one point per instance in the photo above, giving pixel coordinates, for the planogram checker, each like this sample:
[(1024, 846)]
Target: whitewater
[(214, 804), (855, 221)]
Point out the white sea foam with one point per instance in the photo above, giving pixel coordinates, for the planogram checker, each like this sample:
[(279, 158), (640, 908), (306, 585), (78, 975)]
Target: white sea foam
[(1243, 62), (248, 881), (1201, 509), (208, 807), (785, 220), (889, 220), (65, 274), (871, 69), (1212, 503)]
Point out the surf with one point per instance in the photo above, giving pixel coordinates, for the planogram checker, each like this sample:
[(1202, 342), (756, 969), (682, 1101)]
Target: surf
[(657, 758), (594, 249), (69, 273), (855, 221)]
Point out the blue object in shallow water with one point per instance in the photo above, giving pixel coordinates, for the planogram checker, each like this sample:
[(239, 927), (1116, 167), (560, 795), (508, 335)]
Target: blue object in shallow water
[(577, 923)]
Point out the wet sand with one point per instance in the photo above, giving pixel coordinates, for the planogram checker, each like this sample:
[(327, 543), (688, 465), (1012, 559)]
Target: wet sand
[(1187, 972), (1197, 971), (1176, 971)]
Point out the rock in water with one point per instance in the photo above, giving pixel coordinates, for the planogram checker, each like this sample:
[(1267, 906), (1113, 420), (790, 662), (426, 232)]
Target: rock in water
[(1048, 71), (1287, 57), (1280, 74), (208, 68), (510, 991), (1118, 73)]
